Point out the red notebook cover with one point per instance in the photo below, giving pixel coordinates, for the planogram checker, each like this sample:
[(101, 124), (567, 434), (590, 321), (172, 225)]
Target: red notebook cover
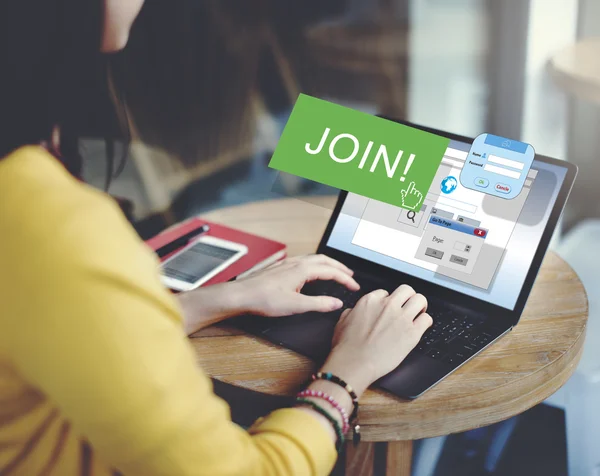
[(261, 251)]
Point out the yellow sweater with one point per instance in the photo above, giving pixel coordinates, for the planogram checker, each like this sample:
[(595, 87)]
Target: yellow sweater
[(96, 374)]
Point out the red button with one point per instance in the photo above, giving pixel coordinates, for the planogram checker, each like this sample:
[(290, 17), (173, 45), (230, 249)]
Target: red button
[(503, 188), (480, 232)]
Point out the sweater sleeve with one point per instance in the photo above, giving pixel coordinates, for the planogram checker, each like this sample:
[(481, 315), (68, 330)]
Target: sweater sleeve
[(92, 328)]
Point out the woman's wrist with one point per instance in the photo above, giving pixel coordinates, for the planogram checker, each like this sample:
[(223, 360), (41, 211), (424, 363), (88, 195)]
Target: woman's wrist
[(206, 306), (249, 298), (353, 369), (335, 399), (336, 392), (338, 408)]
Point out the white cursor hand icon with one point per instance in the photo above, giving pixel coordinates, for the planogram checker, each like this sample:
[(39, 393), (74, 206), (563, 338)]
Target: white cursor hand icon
[(411, 197)]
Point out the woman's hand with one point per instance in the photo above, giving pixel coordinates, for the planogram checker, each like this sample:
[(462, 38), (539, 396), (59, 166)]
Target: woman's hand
[(272, 292), (275, 291), (372, 339)]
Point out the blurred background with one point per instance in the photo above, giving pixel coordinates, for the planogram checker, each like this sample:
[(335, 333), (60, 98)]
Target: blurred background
[(524, 69)]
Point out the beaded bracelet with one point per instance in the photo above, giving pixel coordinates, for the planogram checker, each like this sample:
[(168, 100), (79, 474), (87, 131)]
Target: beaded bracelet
[(336, 425), (332, 402), (338, 381)]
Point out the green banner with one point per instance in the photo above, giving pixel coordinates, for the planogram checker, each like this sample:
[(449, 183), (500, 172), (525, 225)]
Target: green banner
[(358, 152)]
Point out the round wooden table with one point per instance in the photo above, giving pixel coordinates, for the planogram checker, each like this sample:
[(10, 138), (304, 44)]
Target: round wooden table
[(521, 370)]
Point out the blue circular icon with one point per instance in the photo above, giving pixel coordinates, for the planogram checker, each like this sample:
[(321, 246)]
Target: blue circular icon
[(449, 184)]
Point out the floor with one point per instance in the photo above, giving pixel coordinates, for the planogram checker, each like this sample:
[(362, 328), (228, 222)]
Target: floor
[(537, 447)]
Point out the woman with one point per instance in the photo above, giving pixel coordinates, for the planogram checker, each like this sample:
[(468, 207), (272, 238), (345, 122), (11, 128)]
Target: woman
[(96, 374)]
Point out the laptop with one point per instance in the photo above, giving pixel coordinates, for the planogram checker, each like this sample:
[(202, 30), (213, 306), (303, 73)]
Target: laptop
[(476, 274)]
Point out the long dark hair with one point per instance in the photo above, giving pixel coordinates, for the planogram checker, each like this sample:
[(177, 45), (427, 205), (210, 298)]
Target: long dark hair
[(53, 74)]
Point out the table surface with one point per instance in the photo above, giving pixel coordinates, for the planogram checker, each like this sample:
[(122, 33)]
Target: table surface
[(577, 69), (521, 370)]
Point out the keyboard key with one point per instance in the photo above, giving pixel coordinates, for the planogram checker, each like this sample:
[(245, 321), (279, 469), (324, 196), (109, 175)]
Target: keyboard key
[(463, 346), (482, 341), (454, 359), (435, 354), (448, 339)]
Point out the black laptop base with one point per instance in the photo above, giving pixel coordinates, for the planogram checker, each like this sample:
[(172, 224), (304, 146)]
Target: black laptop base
[(456, 336)]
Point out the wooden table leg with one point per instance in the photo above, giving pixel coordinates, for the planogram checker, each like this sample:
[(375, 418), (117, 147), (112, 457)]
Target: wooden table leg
[(360, 459), (399, 458)]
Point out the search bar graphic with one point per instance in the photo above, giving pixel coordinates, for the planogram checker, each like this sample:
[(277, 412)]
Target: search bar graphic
[(451, 203), (456, 154)]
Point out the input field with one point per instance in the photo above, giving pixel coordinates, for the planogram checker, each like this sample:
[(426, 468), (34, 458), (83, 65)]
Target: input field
[(501, 171), (460, 246), (506, 162), (456, 154), (453, 163), (451, 203)]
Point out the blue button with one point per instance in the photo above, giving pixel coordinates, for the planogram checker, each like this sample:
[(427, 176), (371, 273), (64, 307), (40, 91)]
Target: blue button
[(505, 143), (482, 182), (502, 188)]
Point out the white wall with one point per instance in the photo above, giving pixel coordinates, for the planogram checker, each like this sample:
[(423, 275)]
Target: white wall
[(584, 133), (552, 26), (447, 52)]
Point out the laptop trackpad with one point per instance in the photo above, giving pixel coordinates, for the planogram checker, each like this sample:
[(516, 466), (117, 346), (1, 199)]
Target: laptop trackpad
[(308, 334), (414, 375)]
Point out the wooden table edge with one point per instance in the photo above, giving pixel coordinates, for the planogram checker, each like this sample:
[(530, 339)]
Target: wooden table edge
[(515, 406), (385, 420)]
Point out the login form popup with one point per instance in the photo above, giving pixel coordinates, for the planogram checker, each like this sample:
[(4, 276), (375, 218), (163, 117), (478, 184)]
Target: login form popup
[(497, 166)]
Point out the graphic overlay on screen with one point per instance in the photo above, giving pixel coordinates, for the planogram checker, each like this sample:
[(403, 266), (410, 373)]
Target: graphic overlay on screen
[(196, 262), (462, 238), (357, 152), (497, 166)]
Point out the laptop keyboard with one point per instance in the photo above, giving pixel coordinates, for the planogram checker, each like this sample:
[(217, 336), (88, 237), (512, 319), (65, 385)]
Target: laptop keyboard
[(453, 338)]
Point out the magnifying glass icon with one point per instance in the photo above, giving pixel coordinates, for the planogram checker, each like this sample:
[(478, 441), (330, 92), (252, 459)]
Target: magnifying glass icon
[(411, 214)]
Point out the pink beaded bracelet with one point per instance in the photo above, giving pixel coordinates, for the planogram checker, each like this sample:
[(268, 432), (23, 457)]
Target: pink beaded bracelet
[(331, 401)]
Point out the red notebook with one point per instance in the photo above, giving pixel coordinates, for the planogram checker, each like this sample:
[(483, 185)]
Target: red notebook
[(261, 251)]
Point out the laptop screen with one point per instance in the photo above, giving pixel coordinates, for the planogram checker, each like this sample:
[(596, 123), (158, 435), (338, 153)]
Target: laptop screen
[(466, 240)]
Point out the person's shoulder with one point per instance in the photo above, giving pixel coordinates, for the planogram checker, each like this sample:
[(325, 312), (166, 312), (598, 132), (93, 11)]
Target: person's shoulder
[(46, 210), (29, 162), (33, 183)]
